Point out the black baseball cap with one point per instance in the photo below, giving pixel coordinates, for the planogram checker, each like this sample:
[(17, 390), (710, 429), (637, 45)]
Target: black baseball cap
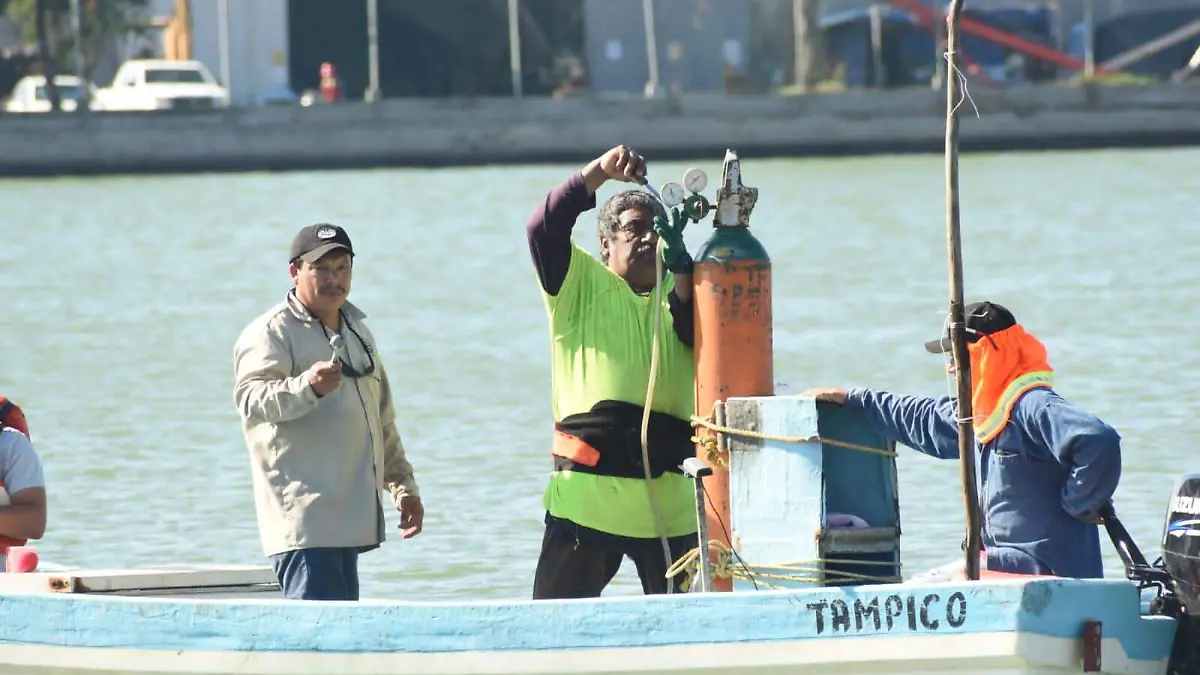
[(314, 241), (982, 318)]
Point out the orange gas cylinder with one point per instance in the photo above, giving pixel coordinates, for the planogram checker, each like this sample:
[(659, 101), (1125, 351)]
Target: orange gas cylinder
[(734, 350)]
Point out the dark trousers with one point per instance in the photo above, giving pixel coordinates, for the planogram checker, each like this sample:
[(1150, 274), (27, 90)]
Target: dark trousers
[(573, 566), (318, 573)]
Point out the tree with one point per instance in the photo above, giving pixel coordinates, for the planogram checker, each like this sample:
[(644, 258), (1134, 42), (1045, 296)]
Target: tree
[(48, 23), (810, 48), (48, 69)]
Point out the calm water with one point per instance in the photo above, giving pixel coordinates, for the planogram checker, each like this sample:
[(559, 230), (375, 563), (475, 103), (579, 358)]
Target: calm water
[(123, 297)]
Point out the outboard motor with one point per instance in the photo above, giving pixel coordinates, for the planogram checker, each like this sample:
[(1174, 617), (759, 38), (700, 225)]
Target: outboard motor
[(1181, 542), (1181, 557), (1175, 575)]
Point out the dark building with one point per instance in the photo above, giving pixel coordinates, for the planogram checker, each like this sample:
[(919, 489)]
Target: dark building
[(433, 49), (702, 45)]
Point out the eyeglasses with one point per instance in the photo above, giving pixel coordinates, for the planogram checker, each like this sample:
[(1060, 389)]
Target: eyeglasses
[(634, 233), (348, 369)]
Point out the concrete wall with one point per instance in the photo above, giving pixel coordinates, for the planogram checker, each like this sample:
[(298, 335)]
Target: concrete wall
[(445, 132)]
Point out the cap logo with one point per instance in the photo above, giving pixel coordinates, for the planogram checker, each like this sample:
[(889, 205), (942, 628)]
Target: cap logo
[(326, 233)]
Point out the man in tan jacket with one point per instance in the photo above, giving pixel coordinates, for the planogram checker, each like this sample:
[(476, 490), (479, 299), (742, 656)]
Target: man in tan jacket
[(319, 422)]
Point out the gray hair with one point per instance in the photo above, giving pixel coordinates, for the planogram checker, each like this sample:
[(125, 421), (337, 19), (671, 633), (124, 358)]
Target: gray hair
[(609, 219)]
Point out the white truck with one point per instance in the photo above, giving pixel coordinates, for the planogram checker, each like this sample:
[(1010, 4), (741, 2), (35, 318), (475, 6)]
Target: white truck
[(155, 84), (30, 95)]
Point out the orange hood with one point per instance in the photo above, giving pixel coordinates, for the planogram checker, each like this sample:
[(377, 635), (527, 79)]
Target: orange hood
[(1003, 366)]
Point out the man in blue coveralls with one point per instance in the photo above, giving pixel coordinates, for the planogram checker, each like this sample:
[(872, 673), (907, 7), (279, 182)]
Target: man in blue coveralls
[(1047, 467)]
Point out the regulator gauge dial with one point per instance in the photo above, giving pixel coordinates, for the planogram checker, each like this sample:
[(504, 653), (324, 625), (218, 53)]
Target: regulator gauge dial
[(695, 180), (673, 194)]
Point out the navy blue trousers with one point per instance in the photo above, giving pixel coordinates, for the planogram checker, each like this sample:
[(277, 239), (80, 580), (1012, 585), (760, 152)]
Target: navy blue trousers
[(318, 573)]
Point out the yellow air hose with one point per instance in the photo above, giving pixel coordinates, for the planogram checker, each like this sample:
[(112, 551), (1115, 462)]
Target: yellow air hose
[(658, 519)]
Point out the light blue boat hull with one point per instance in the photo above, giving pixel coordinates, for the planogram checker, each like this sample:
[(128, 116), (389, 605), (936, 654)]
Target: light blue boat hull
[(1025, 626)]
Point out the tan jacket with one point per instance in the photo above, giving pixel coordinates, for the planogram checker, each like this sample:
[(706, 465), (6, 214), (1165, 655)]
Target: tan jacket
[(318, 464)]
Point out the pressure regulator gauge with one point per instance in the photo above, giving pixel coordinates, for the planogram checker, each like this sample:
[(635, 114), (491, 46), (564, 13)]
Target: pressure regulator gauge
[(673, 194), (695, 180)]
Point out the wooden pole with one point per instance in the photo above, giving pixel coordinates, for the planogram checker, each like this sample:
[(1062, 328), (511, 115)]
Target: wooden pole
[(653, 86), (809, 49), (183, 14), (77, 37), (1089, 39), (958, 334), (372, 94), (42, 22), (939, 49), (876, 16), (226, 65), (514, 46)]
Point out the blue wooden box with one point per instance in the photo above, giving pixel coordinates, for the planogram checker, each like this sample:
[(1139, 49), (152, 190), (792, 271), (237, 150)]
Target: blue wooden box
[(818, 460)]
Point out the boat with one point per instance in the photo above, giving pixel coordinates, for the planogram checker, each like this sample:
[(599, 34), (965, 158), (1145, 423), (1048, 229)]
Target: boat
[(122, 625), (829, 609), (231, 619), (814, 517), (802, 574)]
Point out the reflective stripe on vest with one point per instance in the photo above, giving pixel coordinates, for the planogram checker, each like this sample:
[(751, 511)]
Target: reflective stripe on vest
[(991, 426), (575, 449), (606, 441)]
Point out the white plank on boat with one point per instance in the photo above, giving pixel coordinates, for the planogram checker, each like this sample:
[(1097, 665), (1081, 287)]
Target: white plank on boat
[(139, 579)]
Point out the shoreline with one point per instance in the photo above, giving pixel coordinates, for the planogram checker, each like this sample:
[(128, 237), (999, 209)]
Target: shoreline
[(474, 132)]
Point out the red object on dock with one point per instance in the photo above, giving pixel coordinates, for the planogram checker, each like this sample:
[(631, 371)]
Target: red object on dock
[(21, 559)]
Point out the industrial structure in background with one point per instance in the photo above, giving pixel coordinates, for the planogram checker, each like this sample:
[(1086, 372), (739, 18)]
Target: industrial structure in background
[(245, 43), (275, 51)]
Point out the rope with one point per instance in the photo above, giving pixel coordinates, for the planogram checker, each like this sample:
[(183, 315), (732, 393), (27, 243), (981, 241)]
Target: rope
[(962, 81), (800, 571), (659, 525), (716, 459)]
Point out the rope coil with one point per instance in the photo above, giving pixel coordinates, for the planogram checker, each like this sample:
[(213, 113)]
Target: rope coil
[(799, 571)]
